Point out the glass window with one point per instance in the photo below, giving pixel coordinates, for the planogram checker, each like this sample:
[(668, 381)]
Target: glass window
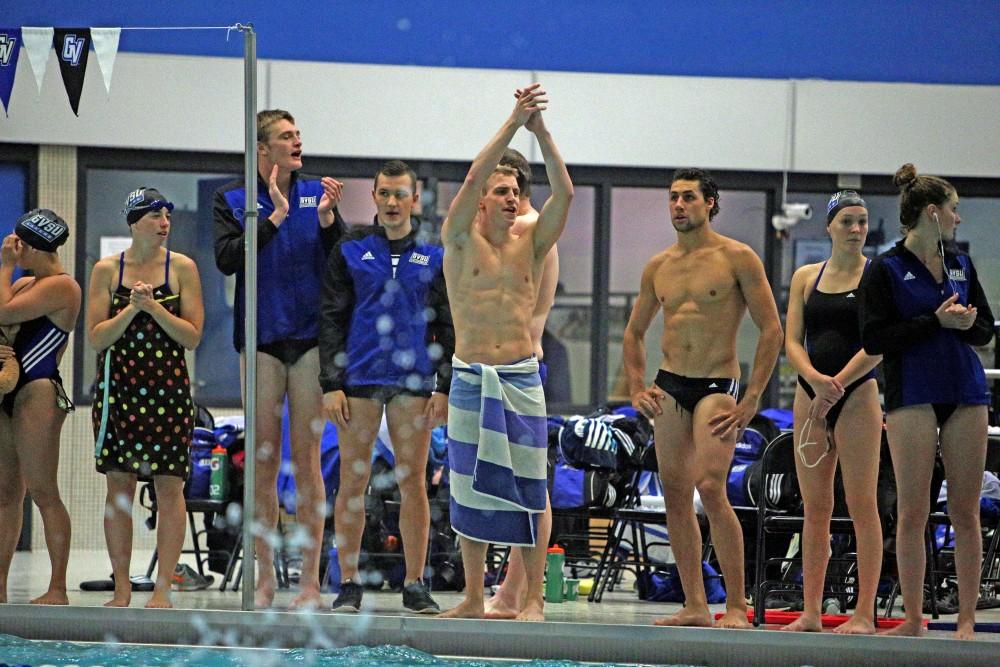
[(808, 241), (640, 228), (566, 341), (980, 223)]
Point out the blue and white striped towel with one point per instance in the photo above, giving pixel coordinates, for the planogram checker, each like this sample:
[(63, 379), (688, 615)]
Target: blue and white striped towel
[(497, 451)]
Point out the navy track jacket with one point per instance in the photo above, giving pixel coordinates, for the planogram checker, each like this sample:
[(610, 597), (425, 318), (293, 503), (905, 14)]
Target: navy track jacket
[(377, 328), (291, 258), (924, 362)]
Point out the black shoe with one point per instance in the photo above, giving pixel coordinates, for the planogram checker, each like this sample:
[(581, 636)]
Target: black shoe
[(418, 599), (349, 598)]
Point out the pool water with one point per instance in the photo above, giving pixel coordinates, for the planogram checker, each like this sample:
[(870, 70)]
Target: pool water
[(16, 651)]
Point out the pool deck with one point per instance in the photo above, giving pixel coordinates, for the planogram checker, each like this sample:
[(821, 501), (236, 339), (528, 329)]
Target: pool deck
[(616, 630)]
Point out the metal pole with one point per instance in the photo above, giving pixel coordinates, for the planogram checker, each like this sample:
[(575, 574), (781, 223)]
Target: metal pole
[(250, 294)]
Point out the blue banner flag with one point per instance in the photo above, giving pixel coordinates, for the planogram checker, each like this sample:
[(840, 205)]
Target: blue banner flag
[(10, 47)]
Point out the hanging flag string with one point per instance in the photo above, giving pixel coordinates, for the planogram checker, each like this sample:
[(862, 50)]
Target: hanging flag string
[(72, 46), (235, 26)]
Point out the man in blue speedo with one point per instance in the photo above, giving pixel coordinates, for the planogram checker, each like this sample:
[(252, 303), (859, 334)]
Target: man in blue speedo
[(298, 225), (385, 331)]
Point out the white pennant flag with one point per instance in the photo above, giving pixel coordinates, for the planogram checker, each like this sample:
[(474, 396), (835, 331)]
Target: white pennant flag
[(106, 46), (37, 42)]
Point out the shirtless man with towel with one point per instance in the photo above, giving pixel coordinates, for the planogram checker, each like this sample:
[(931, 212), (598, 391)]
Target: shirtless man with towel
[(498, 472)]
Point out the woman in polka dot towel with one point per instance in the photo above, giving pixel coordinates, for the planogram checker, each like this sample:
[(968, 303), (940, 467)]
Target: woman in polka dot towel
[(144, 309)]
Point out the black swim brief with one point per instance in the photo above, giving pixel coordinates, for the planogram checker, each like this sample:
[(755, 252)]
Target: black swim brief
[(943, 412), (288, 351), (687, 392)]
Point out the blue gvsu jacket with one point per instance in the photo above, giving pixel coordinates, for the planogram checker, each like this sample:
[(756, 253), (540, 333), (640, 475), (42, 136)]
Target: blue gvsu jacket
[(380, 326), (290, 258), (924, 362)]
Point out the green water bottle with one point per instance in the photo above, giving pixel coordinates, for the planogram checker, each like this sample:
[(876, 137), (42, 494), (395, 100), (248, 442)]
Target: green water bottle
[(218, 485), (554, 561)]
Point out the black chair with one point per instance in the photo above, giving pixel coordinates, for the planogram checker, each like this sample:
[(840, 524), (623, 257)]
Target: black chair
[(779, 511), (627, 545), (216, 509), (214, 513)]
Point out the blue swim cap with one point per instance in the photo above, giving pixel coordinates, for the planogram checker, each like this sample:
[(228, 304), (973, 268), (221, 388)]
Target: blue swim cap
[(843, 199)]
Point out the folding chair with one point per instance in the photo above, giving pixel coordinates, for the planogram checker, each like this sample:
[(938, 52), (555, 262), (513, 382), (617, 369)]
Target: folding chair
[(627, 546), (779, 513), (939, 554), (147, 499)]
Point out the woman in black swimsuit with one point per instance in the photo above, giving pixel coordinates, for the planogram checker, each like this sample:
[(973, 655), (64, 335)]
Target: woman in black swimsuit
[(837, 412)]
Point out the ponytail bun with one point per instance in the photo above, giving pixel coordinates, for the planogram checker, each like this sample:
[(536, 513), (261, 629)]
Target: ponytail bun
[(905, 176)]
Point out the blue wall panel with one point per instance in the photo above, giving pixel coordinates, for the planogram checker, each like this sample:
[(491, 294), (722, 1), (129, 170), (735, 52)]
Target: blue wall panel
[(947, 41), (13, 194)]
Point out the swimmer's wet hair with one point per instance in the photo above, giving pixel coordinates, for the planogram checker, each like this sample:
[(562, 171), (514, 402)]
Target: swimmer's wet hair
[(706, 184), (267, 118), (513, 158), (500, 169)]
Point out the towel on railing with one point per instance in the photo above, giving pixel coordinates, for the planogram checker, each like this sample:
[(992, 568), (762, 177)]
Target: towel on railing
[(497, 451)]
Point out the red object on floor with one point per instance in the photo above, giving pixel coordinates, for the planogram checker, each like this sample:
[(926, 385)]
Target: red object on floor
[(774, 617)]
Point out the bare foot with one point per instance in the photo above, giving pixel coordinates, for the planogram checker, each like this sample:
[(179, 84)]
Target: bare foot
[(160, 601), (499, 606), (118, 601), (907, 629), (532, 612), (307, 600), (687, 617), (804, 624), (263, 597), (51, 597), (465, 609), (856, 625), (965, 630), (733, 619)]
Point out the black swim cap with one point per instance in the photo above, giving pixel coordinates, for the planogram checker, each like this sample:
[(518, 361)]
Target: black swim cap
[(143, 200), (843, 199), (42, 229)]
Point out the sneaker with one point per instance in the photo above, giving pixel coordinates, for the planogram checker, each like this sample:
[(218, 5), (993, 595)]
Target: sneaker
[(418, 599), (186, 579), (349, 598)]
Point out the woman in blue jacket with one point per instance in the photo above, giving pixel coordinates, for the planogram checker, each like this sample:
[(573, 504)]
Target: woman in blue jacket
[(923, 309)]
